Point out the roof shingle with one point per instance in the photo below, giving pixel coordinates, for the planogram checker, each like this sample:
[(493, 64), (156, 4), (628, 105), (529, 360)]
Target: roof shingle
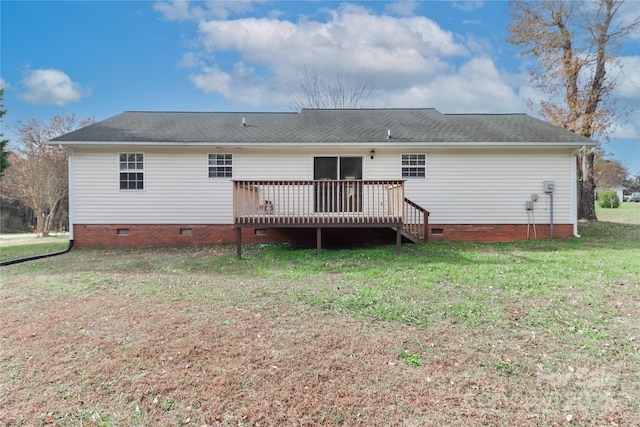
[(321, 126)]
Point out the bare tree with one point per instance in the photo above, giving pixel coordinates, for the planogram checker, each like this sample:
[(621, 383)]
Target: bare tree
[(39, 175), (633, 183), (339, 89), (4, 153), (574, 43)]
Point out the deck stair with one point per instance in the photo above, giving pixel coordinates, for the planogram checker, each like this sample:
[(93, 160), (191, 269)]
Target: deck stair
[(415, 226)]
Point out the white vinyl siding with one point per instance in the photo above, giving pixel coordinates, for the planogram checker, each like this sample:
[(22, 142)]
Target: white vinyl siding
[(477, 187), (273, 165), (177, 190), (462, 186), (177, 187)]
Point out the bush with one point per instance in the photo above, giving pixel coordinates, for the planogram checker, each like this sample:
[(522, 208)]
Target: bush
[(608, 199)]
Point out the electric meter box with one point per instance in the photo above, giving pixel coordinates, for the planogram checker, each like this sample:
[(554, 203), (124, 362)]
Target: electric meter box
[(549, 186)]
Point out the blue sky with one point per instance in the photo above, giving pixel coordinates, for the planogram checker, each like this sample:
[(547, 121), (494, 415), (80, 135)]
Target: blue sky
[(99, 58)]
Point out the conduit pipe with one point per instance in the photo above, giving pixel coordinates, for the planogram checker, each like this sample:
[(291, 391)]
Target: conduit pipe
[(551, 217)]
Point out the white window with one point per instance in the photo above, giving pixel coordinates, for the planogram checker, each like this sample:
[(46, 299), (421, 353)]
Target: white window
[(414, 166), (131, 171), (220, 166)]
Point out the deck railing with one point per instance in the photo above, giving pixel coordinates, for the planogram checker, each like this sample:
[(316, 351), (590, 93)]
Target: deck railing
[(318, 202)]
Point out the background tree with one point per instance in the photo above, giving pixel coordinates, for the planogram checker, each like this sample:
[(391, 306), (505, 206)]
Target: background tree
[(574, 43), (39, 174), (608, 173), (633, 183), (340, 89), (4, 153)]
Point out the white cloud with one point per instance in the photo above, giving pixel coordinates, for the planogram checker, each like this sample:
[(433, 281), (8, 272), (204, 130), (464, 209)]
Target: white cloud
[(190, 60), (177, 10), (411, 60), (213, 80), (408, 45), (627, 78), (241, 85), (478, 46), (625, 131), (628, 93), (403, 7), (477, 86), (50, 87), (4, 84), (532, 95), (627, 14), (468, 6), (184, 10)]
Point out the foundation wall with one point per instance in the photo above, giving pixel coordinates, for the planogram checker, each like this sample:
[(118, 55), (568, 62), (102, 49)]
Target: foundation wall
[(497, 232), (134, 236)]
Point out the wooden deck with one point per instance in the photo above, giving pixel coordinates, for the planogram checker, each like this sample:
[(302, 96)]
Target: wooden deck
[(322, 204)]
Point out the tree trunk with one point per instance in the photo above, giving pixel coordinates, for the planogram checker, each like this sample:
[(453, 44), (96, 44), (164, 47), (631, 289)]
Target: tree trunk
[(53, 211), (40, 224), (587, 202), (48, 222)]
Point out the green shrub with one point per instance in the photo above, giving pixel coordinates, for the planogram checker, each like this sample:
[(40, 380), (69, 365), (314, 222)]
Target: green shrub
[(608, 199)]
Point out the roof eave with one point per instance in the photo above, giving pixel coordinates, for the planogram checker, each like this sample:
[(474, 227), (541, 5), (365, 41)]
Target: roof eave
[(380, 144)]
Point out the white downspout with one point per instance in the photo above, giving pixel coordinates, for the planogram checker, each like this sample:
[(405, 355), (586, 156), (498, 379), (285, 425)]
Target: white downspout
[(574, 192), (71, 189)]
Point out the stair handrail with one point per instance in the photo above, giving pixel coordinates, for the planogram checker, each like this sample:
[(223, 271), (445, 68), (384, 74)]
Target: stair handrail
[(416, 219)]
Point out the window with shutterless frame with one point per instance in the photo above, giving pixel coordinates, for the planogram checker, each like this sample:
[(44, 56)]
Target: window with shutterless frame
[(131, 171), (220, 165), (414, 166)]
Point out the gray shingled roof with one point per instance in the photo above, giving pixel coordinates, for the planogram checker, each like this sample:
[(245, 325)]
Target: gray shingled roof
[(321, 126)]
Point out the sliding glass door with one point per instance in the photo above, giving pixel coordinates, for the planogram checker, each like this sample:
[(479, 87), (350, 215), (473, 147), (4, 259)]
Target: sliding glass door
[(335, 196)]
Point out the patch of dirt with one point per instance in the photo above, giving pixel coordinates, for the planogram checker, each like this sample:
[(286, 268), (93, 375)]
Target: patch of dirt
[(176, 361), (116, 359)]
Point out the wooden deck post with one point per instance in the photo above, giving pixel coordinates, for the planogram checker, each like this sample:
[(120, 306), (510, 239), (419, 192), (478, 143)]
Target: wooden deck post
[(426, 226), (238, 243), (318, 241), (398, 240)]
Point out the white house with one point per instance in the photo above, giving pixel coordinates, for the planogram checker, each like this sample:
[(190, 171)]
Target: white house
[(619, 190), (148, 179)]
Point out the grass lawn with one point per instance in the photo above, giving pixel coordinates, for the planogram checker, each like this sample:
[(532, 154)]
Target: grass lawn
[(536, 333), (24, 245), (628, 213)]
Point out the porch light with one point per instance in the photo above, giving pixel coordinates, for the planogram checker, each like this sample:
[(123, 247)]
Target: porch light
[(372, 153)]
